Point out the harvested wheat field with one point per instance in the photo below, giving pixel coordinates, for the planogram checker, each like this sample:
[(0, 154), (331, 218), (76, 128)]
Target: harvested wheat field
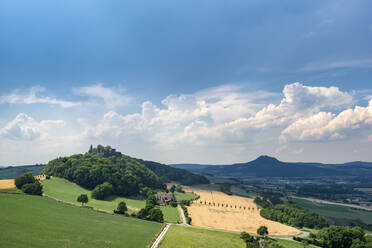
[(233, 213), (7, 184)]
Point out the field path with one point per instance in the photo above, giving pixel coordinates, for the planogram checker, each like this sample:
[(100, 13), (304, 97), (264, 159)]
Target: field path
[(161, 236), (182, 216)]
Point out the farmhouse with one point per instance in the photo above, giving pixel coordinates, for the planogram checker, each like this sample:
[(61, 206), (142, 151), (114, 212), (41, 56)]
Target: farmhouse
[(163, 199)]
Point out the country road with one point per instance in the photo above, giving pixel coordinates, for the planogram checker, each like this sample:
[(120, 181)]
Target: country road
[(161, 236), (182, 216)]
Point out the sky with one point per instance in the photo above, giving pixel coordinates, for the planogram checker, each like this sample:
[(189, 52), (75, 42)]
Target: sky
[(186, 81)]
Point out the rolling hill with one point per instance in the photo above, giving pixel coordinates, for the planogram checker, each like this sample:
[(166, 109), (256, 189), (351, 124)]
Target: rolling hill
[(265, 166)]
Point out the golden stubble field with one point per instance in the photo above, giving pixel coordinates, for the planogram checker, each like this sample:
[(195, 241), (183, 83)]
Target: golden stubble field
[(7, 184), (233, 213)]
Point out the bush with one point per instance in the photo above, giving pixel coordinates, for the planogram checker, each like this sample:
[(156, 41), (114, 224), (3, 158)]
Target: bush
[(83, 198), (33, 188), (102, 191), (156, 214), (26, 178), (122, 208)]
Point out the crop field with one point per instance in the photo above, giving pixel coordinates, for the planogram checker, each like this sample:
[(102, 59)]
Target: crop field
[(64, 190), (34, 221), (220, 211), (7, 184), (336, 214), (187, 237)]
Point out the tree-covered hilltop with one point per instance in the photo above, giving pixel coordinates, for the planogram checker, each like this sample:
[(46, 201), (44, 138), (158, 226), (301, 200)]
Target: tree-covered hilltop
[(104, 164), (170, 174)]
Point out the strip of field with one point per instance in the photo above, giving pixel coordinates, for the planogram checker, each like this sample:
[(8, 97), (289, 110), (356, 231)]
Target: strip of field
[(7, 184), (336, 214), (220, 211), (34, 221), (186, 237), (64, 190)]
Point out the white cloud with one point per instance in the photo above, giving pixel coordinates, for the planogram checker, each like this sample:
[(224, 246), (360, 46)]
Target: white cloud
[(31, 97), (112, 98), (222, 114), (23, 127), (329, 126)]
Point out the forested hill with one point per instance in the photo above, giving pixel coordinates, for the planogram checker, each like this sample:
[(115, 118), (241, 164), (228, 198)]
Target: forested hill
[(170, 174), (126, 174), (104, 164)]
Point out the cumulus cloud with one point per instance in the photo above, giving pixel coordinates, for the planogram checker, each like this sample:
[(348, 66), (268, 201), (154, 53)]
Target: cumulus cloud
[(112, 98), (23, 127), (30, 97), (223, 113), (329, 126)]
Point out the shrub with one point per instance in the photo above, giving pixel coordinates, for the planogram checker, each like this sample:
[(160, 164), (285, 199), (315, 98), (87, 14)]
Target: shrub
[(33, 188), (102, 191), (122, 208), (83, 198), (26, 178), (156, 214)]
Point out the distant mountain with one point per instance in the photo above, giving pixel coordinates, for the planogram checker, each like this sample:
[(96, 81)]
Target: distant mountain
[(10, 172), (265, 166)]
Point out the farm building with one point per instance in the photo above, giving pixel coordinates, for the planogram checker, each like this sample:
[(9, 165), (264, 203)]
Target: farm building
[(163, 199)]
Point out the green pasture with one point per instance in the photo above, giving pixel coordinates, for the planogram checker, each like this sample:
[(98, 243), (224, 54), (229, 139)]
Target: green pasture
[(34, 221)]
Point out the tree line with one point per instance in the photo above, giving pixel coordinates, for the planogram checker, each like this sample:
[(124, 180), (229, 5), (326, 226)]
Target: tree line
[(289, 213)]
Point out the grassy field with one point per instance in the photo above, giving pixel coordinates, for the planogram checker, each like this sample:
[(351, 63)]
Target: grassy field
[(186, 237), (336, 214), (66, 191), (34, 221)]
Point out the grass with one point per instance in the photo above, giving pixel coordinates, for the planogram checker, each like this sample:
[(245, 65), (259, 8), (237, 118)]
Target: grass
[(34, 221), (289, 244), (187, 237), (64, 190), (336, 214), (11, 191)]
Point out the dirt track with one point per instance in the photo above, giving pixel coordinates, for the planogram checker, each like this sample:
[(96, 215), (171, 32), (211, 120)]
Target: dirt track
[(233, 213), (7, 184)]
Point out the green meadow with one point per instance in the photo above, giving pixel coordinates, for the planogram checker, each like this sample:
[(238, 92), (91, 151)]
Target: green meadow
[(188, 237), (34, 221), (64, 190)]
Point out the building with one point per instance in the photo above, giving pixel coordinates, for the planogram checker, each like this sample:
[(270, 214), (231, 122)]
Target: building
[(163, 199)]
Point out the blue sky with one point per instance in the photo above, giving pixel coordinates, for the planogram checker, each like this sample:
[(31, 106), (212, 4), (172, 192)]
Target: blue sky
[(192, 81)]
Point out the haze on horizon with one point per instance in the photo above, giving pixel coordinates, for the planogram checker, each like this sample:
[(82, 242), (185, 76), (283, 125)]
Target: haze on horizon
[(193, 82)]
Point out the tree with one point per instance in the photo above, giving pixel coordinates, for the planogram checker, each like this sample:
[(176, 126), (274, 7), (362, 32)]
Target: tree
[(156, 214), (83, 198), (33, 188), (249, 240), (263, 231), (122, 208), (102, 191), (172, 189), (90, 149), (151, 201), (24, 179)]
